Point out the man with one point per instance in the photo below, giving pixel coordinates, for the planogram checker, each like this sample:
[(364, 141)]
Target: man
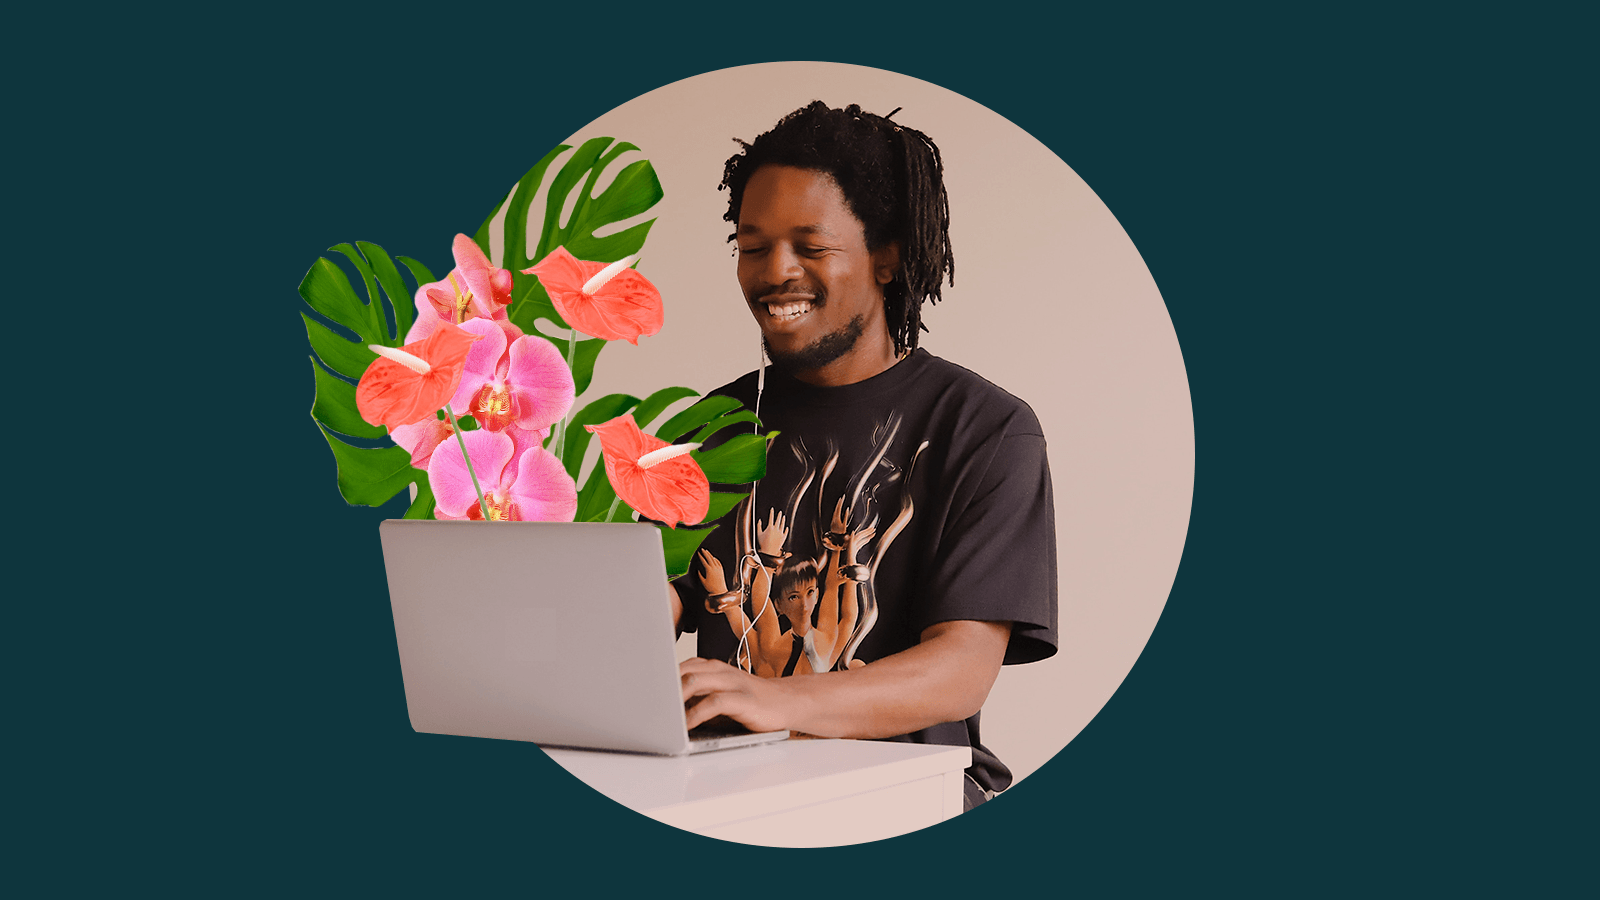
[(902, 546)]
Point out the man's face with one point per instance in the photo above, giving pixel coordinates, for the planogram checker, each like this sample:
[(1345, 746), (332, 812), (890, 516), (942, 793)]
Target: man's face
[(812, 285)]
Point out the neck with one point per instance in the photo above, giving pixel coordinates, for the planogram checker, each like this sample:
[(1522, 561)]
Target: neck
[(867, 359)]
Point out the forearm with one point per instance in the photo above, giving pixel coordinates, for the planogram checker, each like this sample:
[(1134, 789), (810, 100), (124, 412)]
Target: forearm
[(676, 603), (905, 692), (944, 678)]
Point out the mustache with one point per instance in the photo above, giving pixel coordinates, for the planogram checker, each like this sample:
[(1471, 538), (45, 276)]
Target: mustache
[(817, 294)]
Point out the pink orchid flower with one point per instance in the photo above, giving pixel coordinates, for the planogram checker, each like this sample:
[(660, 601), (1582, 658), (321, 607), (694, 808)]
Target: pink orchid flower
[(473, 287), (427, 323), (528, 386), (654, 477), (530, 486), (458, 298), (420, 439), (612, 301)]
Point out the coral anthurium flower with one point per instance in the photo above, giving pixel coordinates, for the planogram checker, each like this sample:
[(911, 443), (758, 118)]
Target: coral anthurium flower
[(656, 478), (529, 387), (405, 386), (531, 486), (612, 301)]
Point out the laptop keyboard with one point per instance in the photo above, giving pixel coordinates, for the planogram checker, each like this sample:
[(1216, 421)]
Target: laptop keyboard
[(718, 730)]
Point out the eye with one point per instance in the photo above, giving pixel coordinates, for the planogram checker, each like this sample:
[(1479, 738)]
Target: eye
[(751, 251), (813, 252)]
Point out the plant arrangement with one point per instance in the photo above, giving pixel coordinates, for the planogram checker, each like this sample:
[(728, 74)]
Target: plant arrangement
[(462, 389)]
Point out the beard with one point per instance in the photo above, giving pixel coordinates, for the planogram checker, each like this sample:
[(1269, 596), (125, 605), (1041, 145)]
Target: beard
[(821, 351)]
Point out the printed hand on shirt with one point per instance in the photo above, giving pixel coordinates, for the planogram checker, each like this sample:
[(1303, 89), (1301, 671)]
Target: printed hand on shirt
[(836, 531), (712, 579), (770, 538), (857, 541)]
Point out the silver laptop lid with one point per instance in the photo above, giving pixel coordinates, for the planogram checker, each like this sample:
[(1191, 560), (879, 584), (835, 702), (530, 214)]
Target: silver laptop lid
[(552, 632)]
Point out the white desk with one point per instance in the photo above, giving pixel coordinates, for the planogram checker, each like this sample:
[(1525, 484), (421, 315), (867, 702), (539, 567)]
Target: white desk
[(799, 793)]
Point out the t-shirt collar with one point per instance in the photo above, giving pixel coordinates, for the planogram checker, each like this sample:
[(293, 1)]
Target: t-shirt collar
[(896, 377)]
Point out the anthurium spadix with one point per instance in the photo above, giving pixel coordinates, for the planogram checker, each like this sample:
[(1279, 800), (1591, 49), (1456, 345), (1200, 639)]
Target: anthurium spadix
[(658, 479), (612, 301)]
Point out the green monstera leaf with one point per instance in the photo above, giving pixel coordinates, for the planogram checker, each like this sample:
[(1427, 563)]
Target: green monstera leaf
[(367, 475), (633, 191)]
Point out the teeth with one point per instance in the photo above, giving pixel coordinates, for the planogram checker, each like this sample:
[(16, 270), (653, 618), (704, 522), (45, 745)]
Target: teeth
[(788, 310)]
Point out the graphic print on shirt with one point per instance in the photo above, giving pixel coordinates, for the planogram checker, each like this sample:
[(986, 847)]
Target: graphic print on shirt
[(803, 603)]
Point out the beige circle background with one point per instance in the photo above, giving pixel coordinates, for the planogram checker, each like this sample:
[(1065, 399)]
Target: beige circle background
[(1051, 302)]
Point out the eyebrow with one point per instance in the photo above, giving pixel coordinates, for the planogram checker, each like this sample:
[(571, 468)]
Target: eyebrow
[(799, 229)]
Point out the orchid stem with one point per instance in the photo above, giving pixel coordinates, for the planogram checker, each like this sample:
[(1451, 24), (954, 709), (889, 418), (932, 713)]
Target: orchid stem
[(456, 427), (561, 435)]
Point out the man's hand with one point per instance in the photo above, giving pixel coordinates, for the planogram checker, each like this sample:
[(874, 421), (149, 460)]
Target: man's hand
[(944, 678), (712, 689)]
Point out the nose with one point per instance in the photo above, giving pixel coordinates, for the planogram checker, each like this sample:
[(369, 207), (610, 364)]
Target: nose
[(781, 266)]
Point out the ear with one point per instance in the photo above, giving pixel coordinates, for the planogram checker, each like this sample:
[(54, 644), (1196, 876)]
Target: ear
[(886, 262)]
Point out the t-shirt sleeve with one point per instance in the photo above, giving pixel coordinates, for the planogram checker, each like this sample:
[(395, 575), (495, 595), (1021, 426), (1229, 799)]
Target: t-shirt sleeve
[(996, 559), (692, 593)]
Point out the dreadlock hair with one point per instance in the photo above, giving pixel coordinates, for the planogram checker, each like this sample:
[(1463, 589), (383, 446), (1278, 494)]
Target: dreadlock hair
[(893, 179)]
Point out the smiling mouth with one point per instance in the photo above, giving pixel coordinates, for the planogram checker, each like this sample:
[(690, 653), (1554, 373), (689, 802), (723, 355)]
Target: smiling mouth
[(788, 310)]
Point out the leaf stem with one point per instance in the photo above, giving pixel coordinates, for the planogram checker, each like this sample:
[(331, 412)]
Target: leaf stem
[(456, 427), (613, 510)]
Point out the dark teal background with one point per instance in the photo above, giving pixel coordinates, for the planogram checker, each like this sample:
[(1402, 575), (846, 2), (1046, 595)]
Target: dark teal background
[(1364, 225)]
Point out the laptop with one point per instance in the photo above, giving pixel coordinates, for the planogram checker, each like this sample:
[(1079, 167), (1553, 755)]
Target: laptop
[(558, 633)]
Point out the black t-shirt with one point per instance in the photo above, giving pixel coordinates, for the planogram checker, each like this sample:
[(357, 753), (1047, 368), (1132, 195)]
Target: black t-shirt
[(947, 514)]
